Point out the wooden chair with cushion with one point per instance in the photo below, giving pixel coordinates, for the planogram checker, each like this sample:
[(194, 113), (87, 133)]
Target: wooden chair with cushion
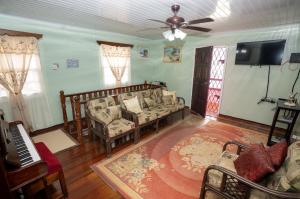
[(222, 181), (55, 172), (105, 120)]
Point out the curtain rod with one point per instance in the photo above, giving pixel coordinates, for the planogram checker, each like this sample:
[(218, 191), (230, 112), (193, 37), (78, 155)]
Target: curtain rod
[(115, 44), (19, 33)]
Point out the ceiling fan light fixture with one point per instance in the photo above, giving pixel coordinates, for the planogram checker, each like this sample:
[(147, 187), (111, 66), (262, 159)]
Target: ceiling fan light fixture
[(178, 34)]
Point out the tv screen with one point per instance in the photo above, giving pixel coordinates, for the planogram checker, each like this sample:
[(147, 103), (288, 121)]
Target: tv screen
[(260, 53)]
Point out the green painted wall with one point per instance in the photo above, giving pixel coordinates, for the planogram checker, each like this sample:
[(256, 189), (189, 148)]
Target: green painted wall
[(243, 86), (61, 42)]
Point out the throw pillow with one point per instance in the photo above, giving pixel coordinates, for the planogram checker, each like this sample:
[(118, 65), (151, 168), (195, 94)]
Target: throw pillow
[(168, 100), (110, 101), (149, 102), (133, 105), (114, 112), (254, 163), (278, 152), (103, 116), (173, 93)]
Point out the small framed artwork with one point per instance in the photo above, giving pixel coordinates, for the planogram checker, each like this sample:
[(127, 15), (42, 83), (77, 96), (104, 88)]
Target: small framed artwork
[(144, 52), (172, 55), (72, 63)]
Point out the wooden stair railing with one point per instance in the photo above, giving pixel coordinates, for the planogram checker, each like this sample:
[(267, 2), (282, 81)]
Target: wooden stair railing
[(77, 99)]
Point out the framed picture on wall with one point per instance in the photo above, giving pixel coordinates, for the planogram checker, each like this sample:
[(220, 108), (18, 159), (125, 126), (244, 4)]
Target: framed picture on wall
[(144, 52), (172, 54)]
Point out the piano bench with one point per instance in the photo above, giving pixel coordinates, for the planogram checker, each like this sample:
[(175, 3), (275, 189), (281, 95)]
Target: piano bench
[(55, 172)]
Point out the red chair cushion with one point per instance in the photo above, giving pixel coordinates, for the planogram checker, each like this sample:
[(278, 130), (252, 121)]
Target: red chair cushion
[(48, 157), (278, 152), (254, 163)]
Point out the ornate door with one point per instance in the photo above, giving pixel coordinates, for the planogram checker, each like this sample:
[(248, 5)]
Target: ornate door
[(203, 57)]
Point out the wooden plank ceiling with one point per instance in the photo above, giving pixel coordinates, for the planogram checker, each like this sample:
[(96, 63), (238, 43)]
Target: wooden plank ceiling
[(130, 16)]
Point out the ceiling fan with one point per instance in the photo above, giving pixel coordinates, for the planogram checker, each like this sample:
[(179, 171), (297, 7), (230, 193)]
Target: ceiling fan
[(175, 23)]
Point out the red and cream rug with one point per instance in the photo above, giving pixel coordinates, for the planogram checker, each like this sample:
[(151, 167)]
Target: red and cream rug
[(171, 163)]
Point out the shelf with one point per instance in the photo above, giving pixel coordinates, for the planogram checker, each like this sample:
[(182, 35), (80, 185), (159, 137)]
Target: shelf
[(285, 120)]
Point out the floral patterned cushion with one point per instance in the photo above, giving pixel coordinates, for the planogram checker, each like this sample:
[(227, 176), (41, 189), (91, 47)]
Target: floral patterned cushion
[(226, 161), (160, 111), (103, 116), (110, 101), (146, 116), (114, 112), (124, 96), (133, 105), (119, 126), (287, 178), (156, 94), (149, 102), (168, 100), (173, 93)]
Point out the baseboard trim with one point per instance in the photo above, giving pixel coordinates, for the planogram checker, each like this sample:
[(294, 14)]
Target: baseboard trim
[(249, 124), (45, 130)]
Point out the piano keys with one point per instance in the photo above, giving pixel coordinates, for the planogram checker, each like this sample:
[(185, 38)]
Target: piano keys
[(21, 159)]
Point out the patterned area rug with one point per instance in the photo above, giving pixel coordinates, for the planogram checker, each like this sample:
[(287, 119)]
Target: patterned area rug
[(171, 163)]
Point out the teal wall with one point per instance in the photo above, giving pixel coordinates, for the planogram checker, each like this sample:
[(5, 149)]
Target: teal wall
[(243, 86), (61, 42)]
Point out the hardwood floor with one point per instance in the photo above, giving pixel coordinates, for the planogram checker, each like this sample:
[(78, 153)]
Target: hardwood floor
[(81, 181)]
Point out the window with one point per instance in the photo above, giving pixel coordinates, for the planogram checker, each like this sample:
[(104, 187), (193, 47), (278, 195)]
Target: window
[(32, 84), (108, 77)]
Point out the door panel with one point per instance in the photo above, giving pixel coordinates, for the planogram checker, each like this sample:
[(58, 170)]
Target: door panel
[(203, 57)]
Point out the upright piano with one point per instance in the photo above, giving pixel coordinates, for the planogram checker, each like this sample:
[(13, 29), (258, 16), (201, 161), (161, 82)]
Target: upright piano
[(20, 163)]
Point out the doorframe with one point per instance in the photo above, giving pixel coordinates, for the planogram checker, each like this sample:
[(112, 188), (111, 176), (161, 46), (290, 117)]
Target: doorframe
[(225, 64)]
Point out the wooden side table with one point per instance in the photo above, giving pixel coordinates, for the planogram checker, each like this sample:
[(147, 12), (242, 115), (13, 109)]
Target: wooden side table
[(290, 120)]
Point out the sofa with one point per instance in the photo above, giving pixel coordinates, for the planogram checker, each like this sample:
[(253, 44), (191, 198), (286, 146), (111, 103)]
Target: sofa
[(222, 181), (124, 115)]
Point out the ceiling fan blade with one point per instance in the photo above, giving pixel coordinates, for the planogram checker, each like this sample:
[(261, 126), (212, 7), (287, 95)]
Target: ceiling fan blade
[(159, 21), (147, 29), (197, 28), (203, 20)]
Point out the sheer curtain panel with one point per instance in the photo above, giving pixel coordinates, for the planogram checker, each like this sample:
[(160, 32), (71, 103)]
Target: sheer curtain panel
[(118, 60), (18, 55)]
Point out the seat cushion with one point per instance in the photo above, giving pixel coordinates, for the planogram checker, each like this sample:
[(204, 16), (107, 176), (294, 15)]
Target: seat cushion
[(146, 116), (160, 111), (119, 126), (254, 163), (48, 157), (278, 153), (287, 178)]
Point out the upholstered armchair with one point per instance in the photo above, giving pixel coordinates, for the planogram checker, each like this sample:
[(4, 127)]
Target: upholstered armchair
[(222, 181), (105, 120)]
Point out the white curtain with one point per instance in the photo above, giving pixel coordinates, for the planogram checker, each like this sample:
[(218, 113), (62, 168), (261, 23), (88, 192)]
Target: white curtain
[(118, 59), (20, 74)]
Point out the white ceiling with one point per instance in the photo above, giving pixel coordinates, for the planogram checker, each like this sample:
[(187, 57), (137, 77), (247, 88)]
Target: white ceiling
[(130, 16)]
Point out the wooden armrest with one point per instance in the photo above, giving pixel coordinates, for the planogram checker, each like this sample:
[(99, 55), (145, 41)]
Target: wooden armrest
[(182, 99), (240, 146), (241, 181), (130, 116)]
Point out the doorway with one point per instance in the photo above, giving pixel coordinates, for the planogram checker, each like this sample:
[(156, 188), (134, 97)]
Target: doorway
[(216, 81), (208, 80)]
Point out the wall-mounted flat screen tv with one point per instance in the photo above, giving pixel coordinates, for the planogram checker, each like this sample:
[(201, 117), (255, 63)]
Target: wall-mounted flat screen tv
[(260, 52)]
